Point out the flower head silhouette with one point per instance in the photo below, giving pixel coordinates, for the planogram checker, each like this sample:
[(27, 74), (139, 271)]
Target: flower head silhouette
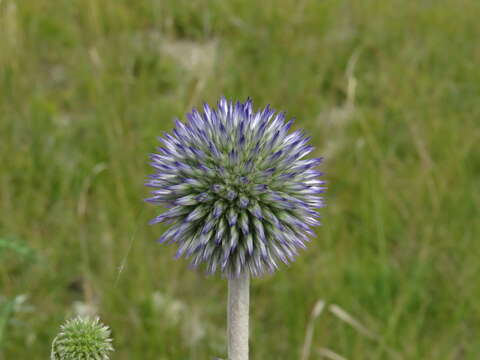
[(240, 194)]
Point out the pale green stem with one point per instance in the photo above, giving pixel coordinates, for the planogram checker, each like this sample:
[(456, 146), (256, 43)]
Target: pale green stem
[(237, 317)]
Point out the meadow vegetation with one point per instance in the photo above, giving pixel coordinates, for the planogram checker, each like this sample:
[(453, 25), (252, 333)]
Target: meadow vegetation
[(389, 92)]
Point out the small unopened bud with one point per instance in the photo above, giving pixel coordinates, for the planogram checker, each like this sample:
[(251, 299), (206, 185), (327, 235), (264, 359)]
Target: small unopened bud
[(82, 339)]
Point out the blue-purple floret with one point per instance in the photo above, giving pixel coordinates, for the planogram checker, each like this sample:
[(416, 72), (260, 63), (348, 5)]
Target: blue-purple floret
[(240, 195)]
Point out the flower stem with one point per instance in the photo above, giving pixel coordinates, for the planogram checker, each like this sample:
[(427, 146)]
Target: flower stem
[(237, 317)]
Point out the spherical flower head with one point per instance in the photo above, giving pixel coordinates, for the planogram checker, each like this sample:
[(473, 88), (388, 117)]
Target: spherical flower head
[(82, 339), (240, 194)]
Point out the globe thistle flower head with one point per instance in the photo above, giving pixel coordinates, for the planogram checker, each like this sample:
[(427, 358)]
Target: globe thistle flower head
[(241, 196), (82, 339)]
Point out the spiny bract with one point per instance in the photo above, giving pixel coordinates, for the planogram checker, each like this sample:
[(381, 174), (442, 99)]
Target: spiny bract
[(239, 193), (82, 339)]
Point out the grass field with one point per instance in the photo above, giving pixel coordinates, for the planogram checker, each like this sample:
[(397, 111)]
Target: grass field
[(389, 91)]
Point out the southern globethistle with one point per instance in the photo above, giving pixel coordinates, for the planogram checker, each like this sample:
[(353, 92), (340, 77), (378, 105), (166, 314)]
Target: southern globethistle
[(82, 339), (240, 194)]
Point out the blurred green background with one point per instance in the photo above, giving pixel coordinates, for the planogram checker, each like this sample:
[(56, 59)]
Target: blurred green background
[(389, 91)]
